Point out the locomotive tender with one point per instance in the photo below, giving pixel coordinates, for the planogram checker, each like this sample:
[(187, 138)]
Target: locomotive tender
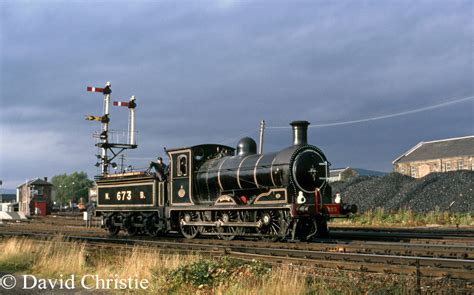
[(216, 190)]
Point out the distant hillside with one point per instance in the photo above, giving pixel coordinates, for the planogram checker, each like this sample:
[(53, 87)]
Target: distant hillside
[(7, 191)]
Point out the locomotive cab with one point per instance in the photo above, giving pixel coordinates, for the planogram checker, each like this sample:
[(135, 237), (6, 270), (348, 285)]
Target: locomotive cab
[(184, 162)]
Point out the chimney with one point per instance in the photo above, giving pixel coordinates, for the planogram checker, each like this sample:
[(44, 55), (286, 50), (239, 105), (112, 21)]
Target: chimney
[(46, 179), (300, 132)]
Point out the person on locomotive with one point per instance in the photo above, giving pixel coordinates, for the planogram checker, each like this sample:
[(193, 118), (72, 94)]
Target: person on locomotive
[(161, 169)]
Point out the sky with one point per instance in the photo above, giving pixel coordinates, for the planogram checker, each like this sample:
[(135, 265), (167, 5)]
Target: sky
[(210, 71)]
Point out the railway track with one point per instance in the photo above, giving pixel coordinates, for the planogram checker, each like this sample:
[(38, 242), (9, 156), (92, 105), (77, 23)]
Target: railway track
[(405, 234), (426, 260), (459, 248), (447, 231), (367, 247), (341, 246), (412, 235), (407, 243)]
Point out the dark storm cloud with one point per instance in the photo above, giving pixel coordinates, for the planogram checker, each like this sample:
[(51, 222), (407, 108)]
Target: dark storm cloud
[(210, 71)]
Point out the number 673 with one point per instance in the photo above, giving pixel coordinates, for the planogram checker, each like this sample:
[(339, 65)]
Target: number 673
[(122, 195)]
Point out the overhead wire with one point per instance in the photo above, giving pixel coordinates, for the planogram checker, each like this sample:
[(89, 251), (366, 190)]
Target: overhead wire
[(408, 112), (331, 124)]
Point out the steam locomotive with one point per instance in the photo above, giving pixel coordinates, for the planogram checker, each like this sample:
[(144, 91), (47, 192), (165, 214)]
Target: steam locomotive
[(216, 190)]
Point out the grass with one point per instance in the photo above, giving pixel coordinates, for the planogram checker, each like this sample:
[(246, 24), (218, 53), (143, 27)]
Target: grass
[(188, 274), (406, 217)]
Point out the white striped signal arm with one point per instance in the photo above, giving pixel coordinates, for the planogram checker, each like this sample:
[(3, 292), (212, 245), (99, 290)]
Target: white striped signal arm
[(121, 103), (95, 89)]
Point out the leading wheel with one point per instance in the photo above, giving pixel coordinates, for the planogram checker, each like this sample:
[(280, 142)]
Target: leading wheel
[(188, 231), (271, 224), (322, 228), (306, 229)]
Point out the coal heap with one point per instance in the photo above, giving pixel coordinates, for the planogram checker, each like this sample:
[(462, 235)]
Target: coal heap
[(394, 191)]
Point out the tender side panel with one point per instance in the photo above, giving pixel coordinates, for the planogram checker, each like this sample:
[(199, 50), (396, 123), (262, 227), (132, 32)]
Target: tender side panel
[(136, 194)]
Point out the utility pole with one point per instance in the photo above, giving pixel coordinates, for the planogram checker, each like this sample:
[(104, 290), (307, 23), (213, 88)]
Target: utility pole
[(122, 158)]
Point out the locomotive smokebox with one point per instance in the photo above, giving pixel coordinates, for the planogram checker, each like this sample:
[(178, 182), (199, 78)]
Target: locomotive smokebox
[(300, 132)]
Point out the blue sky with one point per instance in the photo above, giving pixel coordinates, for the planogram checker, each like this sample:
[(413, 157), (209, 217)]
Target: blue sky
[(209, 71)]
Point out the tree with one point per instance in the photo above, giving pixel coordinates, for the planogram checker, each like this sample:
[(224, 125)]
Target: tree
[(71, 187)]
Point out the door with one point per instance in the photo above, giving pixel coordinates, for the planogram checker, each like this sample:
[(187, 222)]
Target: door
[(181, 177), (40, 208)]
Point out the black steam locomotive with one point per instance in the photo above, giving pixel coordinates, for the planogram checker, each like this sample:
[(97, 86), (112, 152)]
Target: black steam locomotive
[(216, 190)]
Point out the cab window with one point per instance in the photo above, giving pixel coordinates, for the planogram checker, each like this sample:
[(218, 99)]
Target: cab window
[(182, 165)]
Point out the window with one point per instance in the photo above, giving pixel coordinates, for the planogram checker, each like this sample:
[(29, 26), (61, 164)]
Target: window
[(472, 165), (461, 165), (413, 171), (182, 165), (402, 170), (447, 166), (40, 190)]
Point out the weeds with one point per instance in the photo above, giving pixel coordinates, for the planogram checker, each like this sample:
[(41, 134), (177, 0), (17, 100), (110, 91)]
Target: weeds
[(220, 272), (188, 274)]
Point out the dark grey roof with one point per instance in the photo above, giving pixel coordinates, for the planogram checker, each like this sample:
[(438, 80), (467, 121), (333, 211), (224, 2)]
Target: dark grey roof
[(37, 181), (362, 172), (439, 149), (336, 172)]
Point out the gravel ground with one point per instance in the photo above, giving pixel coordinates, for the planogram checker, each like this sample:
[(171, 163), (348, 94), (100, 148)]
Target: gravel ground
[(394, 191)]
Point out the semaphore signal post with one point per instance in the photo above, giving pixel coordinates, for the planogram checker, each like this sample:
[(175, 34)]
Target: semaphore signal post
[(104, 144)]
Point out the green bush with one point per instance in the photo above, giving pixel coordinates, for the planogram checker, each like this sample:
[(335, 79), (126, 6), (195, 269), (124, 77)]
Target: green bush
[(207, 273)]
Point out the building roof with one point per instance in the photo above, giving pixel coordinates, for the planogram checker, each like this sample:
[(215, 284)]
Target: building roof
[(37, 181), (337, 171), (362, 172), (439, 149), (366, 172)]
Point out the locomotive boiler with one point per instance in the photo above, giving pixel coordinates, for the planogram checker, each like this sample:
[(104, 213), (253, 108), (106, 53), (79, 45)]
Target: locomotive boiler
[(216, 190), (278, 177)]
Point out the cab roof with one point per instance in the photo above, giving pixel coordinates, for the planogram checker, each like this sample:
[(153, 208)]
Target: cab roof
[(205, 146)]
